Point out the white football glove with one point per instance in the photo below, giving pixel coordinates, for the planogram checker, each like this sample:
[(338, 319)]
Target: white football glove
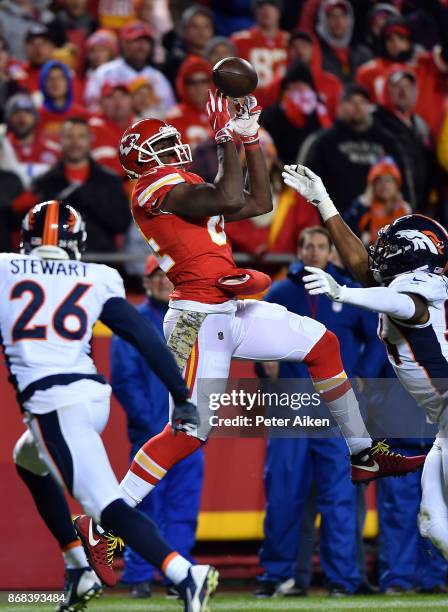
[(245, 123), (320, 282), (310, 186)]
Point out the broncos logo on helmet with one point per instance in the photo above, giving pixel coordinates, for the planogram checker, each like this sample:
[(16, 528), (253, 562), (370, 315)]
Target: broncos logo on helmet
[(412, 242), (53, 230)]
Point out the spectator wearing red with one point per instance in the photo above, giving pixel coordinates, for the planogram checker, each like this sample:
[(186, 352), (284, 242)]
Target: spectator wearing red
[(35, 154), (380, 204), (76, 23), (264, 45), (189, 117), (430, 68), (8, 84), (56, 86), (304, 47), (108, 127), (101, 47), (16, 19), (137, 45), (298, 113), (277, 231), (92, 189), (39, 48), (335, 24)]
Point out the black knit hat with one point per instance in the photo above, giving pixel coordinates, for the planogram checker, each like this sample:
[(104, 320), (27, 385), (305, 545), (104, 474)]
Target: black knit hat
[(301, 35), (298, 71), (355, 89)]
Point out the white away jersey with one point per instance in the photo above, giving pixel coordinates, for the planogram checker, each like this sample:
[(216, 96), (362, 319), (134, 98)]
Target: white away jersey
[(419, 353), (47, 311)]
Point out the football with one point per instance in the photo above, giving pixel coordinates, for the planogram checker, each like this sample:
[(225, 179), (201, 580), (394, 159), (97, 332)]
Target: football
[(235, 77)]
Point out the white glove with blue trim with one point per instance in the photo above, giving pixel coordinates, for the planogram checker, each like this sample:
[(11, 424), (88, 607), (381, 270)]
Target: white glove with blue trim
[(321, 282), (311, 187)]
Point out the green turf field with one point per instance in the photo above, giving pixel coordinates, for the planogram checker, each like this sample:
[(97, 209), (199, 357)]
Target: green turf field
[(229, 602)]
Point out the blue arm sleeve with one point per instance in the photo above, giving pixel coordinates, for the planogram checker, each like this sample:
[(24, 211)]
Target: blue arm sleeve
[(130, 384), (125, 321), (373, 357)]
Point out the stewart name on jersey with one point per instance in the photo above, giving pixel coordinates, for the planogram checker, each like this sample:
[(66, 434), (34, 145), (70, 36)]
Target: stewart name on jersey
[(194, 253), (47, 312)]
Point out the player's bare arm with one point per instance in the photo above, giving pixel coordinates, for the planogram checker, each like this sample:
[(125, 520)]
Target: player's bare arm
[(406, 307), (350, 248), (226, 195)]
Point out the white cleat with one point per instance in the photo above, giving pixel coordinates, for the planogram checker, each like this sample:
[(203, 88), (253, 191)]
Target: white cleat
[(436, 530), (198, 587), (81, 585)]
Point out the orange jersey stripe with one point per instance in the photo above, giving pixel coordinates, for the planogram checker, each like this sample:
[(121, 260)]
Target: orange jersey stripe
[(51, 227)]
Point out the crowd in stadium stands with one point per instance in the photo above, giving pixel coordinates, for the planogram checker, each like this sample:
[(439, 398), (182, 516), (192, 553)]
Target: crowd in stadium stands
[(355, 89)]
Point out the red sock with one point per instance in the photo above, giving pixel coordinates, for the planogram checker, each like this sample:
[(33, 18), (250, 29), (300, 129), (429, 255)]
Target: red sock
[(326, 368), (153, 460)]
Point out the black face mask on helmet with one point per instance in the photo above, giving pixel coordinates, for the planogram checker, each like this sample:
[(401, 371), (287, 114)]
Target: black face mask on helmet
[(412, 242), (53, 230)]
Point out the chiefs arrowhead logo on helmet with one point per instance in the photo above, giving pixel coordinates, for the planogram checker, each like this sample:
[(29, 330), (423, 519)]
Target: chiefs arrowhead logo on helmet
[(140, 151), (127, 142)]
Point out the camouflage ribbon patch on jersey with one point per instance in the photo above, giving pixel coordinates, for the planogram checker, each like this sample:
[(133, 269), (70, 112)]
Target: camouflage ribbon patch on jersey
[(184, 334)]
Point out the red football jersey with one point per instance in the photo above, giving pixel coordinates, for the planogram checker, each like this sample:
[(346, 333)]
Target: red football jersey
[(431, 85), (194, 253), (269, 56)]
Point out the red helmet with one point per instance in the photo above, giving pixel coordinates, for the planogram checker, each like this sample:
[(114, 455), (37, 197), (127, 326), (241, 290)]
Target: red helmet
[(136, 146)]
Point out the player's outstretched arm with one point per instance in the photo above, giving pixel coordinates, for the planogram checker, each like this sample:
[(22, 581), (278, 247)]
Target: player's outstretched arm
[(349, 246), (258, 193), (125, 321), (226, 195), (406, 307)]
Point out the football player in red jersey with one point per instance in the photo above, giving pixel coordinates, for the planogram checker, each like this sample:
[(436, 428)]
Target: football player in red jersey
[(264, 45), (182, 218)]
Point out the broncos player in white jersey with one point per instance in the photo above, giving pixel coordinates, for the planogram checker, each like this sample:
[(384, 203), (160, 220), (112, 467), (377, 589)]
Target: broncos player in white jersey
[(50, 302), (404, 281)]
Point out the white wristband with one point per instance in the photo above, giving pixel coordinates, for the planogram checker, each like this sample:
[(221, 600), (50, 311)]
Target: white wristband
[(327, 209)]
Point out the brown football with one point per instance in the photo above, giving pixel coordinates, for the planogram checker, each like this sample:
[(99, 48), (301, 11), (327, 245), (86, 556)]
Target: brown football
[(235, 77)]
